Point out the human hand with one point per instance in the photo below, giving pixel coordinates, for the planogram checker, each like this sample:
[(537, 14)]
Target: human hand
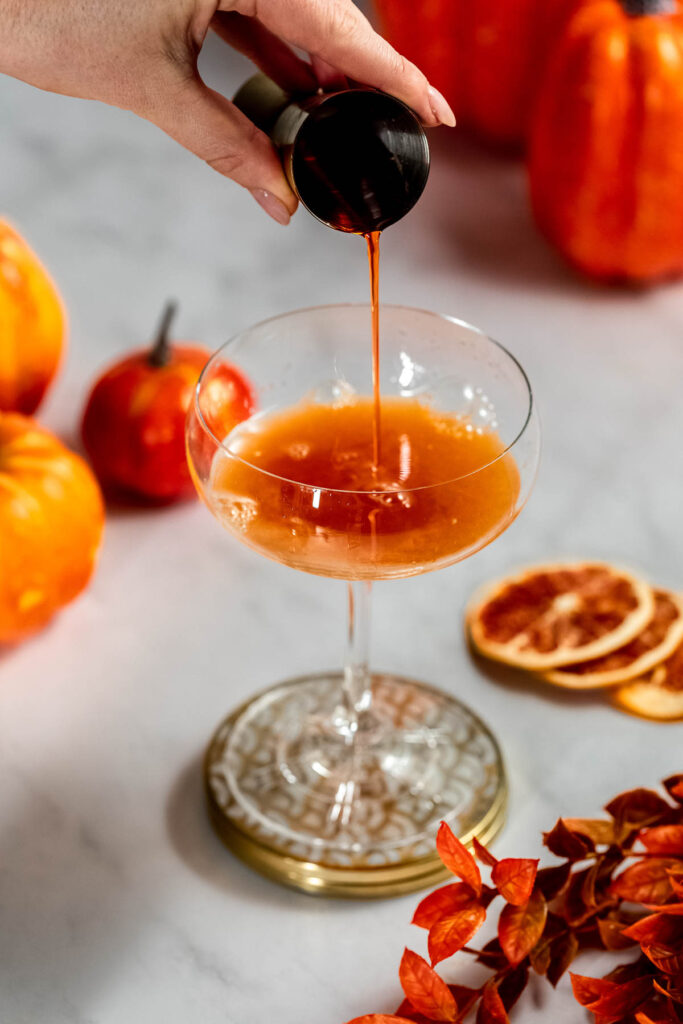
[(142, 56)]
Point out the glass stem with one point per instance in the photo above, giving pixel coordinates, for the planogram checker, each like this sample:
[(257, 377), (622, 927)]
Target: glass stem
[(357, 681)]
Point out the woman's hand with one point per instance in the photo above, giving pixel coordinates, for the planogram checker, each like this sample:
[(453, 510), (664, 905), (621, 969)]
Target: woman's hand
[(142, 55)]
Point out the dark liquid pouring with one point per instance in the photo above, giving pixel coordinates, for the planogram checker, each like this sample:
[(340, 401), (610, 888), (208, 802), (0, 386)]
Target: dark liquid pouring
[(372, 239)]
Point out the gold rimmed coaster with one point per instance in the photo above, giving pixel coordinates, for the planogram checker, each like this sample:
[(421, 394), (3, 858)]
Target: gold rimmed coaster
[(270, 821)]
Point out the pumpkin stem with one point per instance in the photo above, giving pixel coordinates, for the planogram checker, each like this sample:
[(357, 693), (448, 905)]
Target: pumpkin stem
[(647, 8), (161, 348)]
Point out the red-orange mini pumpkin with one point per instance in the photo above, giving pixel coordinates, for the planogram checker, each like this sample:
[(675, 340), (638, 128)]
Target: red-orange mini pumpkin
[(51, 519), (32, 325), (486, 56), (606, 157), (134, 422)]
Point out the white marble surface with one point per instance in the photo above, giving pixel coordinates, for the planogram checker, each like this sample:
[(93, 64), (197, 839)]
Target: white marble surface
[(116, 902)]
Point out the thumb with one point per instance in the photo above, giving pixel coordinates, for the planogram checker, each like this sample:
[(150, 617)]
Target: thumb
[(207, 124)]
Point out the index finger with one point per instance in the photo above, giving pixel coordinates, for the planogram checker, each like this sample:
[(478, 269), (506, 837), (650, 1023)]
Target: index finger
[(340, 34)]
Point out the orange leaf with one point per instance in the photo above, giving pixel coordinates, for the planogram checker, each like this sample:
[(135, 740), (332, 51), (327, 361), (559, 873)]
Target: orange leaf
[(666, 960), (599, 830), (674, 787), (613, 935), (655, 928), (443, 902), (514, 878), (483, 854), (520, 928), (646, 881), (677, 887), (380, 1018), (457, 858), (637, 807), (450, 934), (564, 843), (673, 909), (425, 990), (491, 1009), (663, 839), (657, 1015), (611, 1000)]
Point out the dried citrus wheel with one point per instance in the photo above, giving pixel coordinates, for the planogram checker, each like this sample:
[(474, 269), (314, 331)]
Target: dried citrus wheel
[(554, 615), (657, 695), (660, 637)]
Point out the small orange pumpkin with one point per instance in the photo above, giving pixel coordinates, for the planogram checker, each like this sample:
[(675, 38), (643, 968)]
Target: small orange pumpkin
[(51, 519), (32, 325), (486, 56), (606, 155)]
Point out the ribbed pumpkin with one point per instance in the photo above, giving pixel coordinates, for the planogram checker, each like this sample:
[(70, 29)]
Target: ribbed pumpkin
[(606, 154), (32, 325), (486, 56), (51, 519)]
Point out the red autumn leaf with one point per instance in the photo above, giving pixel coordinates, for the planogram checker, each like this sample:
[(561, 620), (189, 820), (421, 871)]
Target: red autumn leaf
[(654, 929), (483, 854), (637, 807), (465, 998), (443, 902), (674, 909), (611, 1000), (665, 959), (613, 935), (512, 984), (551, 881), (457, 858), (677, 886), (380, 1018), (514, 879), (407, 1010), (654, 1014), (646, 881), (599, 830), (564, 843), (669, 990), (563, 951), (674, 787), (491, 955), (450, 934), (424, 989), (491, 1009), (667, 839), (520, 928)]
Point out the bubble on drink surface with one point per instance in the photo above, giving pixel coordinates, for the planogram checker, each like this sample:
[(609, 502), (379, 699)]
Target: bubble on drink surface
[(235, 513), (336, 391), (390, 495), (298, 451)]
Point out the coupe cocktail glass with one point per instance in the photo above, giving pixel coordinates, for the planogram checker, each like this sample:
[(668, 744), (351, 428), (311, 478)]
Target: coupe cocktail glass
[(337, 781)]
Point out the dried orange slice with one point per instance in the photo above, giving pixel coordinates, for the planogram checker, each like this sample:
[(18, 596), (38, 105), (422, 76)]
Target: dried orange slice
[(657, 695), (554, 615), (660, 638)]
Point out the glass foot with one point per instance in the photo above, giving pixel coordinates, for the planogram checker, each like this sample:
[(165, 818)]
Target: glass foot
[(305, 802)]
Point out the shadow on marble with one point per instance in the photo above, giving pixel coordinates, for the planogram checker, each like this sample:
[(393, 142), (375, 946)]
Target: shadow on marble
[(526, 683), (200, 849)]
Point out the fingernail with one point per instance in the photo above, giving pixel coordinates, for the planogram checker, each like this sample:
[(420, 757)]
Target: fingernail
[(440, 108), (273, 206)]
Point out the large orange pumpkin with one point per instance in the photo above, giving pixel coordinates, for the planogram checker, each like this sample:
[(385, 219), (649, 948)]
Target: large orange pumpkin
[(51, 519), (486, 56), (606, 155), (32, 325)]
